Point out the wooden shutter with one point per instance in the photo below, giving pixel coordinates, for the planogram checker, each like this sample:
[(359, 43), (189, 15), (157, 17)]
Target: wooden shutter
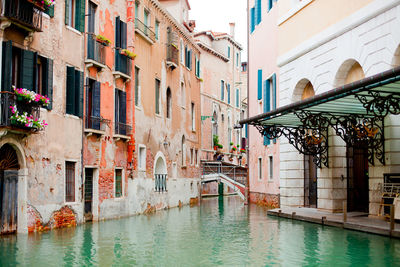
[(7, 66), (258, 11), (79, 85), (70, 106), (116, 111), (274, 91), (48, 80), (122, 108), (96, 100), (222, 90), (123, 35), (259, 85), (80, 15), (157, 93), (50, 11), (27, 70), (270, 3), (252, 19), (67, 7), (267, 105), (229, 93), (117, 32)]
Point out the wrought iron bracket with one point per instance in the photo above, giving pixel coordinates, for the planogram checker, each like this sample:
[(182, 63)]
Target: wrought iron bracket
[(379, 105), (306, 140)]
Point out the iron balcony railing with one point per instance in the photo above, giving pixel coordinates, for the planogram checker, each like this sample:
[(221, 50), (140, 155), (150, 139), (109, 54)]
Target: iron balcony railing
[(8, 100), (96, 50), (96, 123), (160, 182), (143, 28), (23, 12), (123, 63), (122, 128), (236, 173), (172, 53)]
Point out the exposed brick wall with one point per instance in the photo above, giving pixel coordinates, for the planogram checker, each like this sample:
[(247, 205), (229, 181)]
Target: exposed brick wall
[(106, 184), (266, 200), (64, 217), (35, 221)]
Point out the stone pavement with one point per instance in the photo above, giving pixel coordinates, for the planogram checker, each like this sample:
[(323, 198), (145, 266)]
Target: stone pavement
[(355, 220)]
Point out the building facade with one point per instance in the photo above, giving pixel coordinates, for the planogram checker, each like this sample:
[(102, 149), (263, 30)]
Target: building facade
[(351, 51), (263, 74)]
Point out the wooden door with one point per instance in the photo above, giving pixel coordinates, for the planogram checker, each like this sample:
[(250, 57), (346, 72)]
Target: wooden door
[(310, 182), (357, 182), (88, 194), (9, 201)]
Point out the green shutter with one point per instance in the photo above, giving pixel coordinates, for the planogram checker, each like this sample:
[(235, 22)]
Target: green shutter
[(157, 97), (48, 81), (28, 68), (274, 91), (80, 15), (259, 85), (70, 103), (50, 11), (123, 35), (7, 66), (117, 32), (79, 84), (67, 7)]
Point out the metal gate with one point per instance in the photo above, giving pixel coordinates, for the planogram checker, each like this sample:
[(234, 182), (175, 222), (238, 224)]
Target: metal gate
[(9, 201)]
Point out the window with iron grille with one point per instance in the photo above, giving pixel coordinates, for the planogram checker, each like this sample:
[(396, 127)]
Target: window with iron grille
[(69, 181), (118, 183)]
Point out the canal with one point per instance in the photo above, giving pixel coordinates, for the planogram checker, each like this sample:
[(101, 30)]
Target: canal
[(217, 233)]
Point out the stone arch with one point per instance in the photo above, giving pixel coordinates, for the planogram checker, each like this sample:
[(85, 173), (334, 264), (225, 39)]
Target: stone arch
[(396, 58), (303, 89), (160, 166), (19, 151), (350, 71), (8, 158)]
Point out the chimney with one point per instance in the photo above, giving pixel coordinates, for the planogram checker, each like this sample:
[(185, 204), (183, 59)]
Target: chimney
[(232, 29)]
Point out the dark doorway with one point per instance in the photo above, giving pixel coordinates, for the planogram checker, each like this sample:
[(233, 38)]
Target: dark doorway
[(310, 182), (357, 181), (88, 194), (8, 189)]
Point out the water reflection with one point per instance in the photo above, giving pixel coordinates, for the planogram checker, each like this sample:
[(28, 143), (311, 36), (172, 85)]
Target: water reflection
[(221, 232)]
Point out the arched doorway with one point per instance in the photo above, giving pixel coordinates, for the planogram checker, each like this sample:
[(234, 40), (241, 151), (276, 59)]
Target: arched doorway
[(357, 154), (160, 173), (396, 58), (9, 167), (303, 90)]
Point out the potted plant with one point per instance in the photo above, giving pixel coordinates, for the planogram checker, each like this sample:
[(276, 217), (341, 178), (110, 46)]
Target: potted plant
[(215, 141), (27, 96), (243, 150), (128, 53), (103, 40), (25, 120)]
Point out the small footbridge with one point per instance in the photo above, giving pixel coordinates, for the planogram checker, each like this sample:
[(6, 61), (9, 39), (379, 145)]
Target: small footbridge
[(235, 177)]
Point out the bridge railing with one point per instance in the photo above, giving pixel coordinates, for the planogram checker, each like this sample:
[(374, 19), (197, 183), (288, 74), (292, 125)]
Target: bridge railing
[(236, 173)]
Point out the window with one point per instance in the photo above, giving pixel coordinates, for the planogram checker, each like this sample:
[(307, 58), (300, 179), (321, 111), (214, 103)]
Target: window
[(271, 168), (142, 158), (188, 57), (237, 97), (146, 15), (259, 168), (75, 14), (237, 60), (92, 17), (137, 86), (269, 95), (197, 71), (136, 10), (259, 84), (74, 99), (157, 99), (229, 52), (196, 157), (258, 11), (252, 20), (169, 103), (118, 183), (69, 181), (183, 95), (26, 69), (193, 117), (228, 91), (120, 112), (120, 34), (183, 148), (157, 29), (182, 53), (93, 104), (270, 4), (222, 89), (191, 157)]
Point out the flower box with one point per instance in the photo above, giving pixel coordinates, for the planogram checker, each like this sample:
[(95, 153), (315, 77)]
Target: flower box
[(128, 53), (103, 40), (29, 97)]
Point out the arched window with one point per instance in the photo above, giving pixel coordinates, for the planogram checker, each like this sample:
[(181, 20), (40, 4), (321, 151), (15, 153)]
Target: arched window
[(169, 104)]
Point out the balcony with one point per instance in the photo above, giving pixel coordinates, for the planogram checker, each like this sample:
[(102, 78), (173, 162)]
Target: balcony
[(122, 131), (95, 125), (96, 53), (143, 30), (172, 56), (123, 66), (7, 100), (23, 13)]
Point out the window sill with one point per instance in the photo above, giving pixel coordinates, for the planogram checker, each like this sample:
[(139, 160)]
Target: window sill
[(121, 137), (73, 30), (118, 74), (158, 116), (71, 116), (90, 132), (92, 63), (138, 107), (144, 36)]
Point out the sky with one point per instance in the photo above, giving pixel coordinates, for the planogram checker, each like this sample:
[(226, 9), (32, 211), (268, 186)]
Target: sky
[(216, 15)]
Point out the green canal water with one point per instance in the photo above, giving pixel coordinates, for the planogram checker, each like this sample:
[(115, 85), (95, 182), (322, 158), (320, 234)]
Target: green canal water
[(217, 233)]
